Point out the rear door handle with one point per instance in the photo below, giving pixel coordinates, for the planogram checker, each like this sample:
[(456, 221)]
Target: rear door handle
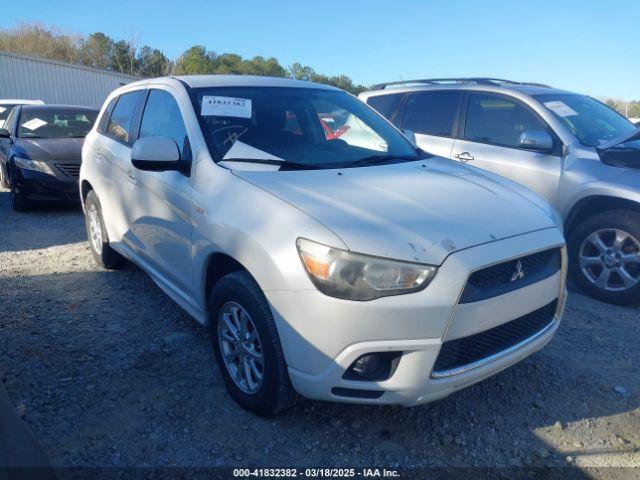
[(464, 157)]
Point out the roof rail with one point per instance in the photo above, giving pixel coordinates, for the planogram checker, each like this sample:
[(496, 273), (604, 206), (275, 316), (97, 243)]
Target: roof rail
[(444, 81)]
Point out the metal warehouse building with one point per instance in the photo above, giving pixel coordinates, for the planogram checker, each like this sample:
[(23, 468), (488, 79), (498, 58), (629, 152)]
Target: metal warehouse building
[(56, 82)]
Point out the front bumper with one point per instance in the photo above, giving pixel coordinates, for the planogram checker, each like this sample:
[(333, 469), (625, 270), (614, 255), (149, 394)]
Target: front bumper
[(40, 186), (322, 336)]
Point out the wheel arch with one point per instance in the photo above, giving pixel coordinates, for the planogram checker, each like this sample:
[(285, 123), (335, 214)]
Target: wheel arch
[(595, 204), (219, 264)]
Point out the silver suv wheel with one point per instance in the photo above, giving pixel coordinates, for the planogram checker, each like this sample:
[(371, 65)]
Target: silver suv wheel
[(240, 347), (95, 229), (610, 259)]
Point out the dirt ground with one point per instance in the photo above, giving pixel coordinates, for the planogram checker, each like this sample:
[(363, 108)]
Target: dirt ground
[(107, 371)]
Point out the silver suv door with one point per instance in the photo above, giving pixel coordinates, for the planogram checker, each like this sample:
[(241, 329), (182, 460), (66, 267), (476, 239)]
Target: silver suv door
[(160, 219), (490, 139), (432, 116)]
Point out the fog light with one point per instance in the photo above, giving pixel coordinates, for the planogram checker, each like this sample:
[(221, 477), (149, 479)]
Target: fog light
[(375, 366)]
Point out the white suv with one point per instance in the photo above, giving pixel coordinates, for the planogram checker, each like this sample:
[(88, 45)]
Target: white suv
[(330, 257)]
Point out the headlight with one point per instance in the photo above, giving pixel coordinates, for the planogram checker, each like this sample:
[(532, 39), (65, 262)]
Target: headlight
[(35, 165), (354, 276)]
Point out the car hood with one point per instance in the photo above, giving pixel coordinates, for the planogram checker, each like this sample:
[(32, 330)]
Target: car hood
[(622, 152), (50, 149), (418, 211)]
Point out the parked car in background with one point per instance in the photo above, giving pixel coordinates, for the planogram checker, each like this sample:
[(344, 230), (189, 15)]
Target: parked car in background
[(40, 152), (578, 153), (369, 274), (6, 105)]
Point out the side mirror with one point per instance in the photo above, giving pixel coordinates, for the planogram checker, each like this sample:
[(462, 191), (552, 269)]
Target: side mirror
[(536, 140), (410, 136), (4, 133), (156, 154)]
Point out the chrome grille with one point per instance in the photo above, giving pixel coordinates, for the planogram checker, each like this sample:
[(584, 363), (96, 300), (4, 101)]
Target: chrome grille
[(465, 351), (69, 169)]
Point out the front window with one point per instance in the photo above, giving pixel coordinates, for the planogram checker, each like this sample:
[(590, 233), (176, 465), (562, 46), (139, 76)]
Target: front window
[(309, 127), (5, 110), (50, 123), (592, 122)]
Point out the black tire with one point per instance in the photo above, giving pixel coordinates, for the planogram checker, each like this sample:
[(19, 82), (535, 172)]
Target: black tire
[(275, 394), (629, 222), (107, 257), (18, 202)]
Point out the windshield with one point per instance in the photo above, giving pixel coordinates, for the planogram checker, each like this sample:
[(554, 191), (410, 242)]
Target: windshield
[(315, 127), (55, 123), (592, 122)]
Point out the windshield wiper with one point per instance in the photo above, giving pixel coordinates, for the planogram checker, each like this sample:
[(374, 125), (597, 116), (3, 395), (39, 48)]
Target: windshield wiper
[(375, 159), (285, 164)]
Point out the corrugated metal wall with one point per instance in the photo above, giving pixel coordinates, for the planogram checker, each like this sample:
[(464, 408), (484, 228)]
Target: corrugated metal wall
[(56, 82)]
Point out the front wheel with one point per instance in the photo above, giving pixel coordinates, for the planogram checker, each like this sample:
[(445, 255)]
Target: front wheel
[(4, 179), (604, 253), (247, 346), (18, 202), (103, 254)]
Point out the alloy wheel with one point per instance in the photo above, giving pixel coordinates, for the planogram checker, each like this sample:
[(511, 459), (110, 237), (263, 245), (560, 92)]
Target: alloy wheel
[(610, 259), (241, 347), (95, 228)]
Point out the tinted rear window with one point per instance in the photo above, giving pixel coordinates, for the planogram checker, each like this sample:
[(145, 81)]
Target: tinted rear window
[(431, 113)]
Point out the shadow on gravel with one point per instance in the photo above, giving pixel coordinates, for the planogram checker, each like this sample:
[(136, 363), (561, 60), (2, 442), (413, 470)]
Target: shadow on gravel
[(45, 226)]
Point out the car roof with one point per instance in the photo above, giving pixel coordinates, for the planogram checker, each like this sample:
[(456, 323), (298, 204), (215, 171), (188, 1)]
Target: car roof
[(20, 101), (199, 81), (522, 88), (81, 108)]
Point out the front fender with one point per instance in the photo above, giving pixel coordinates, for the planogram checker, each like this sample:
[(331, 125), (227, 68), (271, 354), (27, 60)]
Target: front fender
[(253, 227)]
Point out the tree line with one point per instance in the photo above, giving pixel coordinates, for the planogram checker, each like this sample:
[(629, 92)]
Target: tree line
[(130, 57), (628, 109)]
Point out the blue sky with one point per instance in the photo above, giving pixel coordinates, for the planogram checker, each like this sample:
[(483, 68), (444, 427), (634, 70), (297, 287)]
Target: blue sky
[(587, 46)]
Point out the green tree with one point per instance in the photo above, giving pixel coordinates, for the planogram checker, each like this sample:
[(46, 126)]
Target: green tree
[(196, 60), (96, 50), (123, 59), (151, 62)]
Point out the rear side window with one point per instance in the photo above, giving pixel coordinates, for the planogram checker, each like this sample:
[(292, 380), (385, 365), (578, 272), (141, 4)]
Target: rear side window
[(386, 105), (104, 120), (498, 120), (162, 118), (431, 113), (121, 120)]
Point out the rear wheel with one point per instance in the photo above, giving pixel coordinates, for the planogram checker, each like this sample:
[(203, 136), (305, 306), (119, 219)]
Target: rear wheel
[(247, 346), (604, 255), (103, 254)]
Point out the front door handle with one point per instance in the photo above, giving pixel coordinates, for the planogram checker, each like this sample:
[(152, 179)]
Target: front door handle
[(133, 180), (464, 157)]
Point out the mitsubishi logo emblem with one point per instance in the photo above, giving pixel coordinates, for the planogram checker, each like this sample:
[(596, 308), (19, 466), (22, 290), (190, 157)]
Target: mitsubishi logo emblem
[(519, 273)]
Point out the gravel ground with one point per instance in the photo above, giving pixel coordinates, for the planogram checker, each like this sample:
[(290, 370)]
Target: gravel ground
[(107, 371)]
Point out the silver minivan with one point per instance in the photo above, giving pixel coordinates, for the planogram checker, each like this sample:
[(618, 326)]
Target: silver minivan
[(578, 153)]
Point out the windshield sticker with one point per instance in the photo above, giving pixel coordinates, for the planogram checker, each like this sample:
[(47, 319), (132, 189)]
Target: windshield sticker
[(560, 108), (242, 150), (226, 107), (3, 109), (34, 124)]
